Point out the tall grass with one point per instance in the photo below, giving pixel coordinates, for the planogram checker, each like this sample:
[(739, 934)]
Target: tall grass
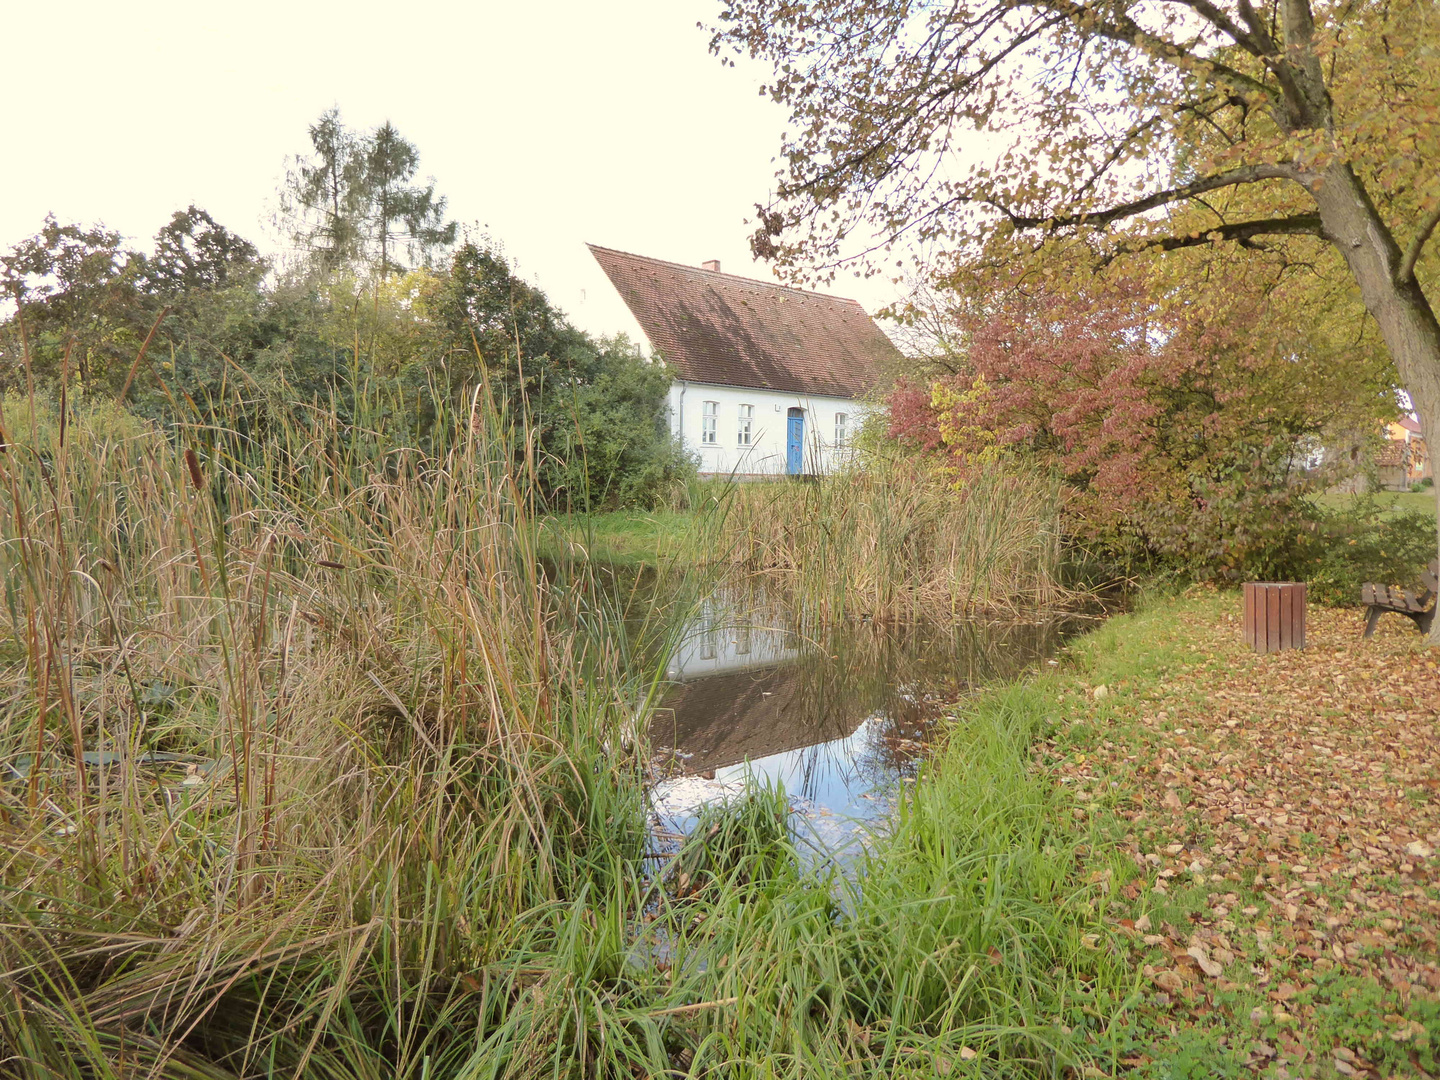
[(309, 766), (898, 540), (296, 730), (967, 944)]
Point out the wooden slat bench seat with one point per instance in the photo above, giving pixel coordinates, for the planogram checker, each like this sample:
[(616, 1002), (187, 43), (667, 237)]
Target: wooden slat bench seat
[(1417, 604)]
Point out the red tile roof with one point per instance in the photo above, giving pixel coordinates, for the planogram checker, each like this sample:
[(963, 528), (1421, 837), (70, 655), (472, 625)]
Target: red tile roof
[(712, 327)]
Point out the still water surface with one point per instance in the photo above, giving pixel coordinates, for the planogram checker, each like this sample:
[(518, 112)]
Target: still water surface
[(839, 717)]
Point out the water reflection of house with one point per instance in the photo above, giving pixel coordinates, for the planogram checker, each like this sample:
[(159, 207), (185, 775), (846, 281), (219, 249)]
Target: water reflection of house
[(721, 641), (740, 694), (747, 688), (723, 720)]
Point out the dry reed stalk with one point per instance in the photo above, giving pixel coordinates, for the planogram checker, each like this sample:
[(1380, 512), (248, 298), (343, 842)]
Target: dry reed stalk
[(900, 542), (310, 814)]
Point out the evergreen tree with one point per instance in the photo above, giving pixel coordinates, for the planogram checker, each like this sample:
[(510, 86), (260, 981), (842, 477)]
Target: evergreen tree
[(324, 198), (401, 216), (353, 203)]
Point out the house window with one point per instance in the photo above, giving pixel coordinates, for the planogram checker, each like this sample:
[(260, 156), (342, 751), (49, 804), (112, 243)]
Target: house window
[(842, 430), (747, 422), (709, 422), (742, 641)]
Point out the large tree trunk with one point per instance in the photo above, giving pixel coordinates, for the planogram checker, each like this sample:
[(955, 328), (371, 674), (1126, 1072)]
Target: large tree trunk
[(1406, 320)]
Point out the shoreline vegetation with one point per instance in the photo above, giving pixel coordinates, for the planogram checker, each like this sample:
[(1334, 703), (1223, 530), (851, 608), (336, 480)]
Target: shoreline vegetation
[(312, 768), (301, 747), (895, 542), (900, 541)]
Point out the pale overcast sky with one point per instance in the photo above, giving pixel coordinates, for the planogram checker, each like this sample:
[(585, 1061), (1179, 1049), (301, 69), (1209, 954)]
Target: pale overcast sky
[(549, 124)]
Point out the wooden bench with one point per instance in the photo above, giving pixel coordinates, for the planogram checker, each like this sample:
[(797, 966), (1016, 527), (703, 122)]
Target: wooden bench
[(1417, 604)]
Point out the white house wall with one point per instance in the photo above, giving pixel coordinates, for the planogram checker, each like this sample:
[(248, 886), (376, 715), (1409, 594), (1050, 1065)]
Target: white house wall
[(765, 456)]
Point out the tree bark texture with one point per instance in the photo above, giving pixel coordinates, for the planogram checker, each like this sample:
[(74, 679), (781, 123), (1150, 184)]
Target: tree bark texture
[(1399, 307)]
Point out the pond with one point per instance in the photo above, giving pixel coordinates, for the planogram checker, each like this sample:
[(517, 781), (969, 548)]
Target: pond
[(839, 717)]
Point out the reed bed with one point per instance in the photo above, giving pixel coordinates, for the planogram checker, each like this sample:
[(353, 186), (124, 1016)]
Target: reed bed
[(295, 729), (898, 540), (311, 766)]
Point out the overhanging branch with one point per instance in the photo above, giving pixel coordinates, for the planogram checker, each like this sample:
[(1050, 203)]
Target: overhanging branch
[(1248, 174), (1120, 27), (1406, 273), (1239, 231), (1255, 44)]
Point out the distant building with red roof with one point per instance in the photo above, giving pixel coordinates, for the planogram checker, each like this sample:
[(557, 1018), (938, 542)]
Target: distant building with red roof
[(1404, 459)]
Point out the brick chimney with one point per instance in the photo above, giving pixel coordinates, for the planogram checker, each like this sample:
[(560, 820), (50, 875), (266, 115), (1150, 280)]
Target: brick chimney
[(712, 264)]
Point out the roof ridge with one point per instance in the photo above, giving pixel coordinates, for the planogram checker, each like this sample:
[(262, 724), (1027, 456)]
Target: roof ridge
[(733, 331), (721, 273)]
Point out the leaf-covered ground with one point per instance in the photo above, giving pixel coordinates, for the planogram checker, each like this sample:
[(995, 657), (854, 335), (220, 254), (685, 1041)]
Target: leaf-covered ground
[(1284, 812)]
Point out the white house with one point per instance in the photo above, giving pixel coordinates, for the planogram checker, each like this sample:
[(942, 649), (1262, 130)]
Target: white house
[(768, 380)]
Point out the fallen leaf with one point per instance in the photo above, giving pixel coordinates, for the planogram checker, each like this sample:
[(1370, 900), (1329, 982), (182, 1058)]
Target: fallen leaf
[(1169, 979), (1411, 1031), (1208, 966)]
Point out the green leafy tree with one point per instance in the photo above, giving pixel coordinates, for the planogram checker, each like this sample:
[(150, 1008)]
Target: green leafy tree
[(228, 342), (1130, 129), (84, 304), (194, 252), (610, 443), (596, 410), (79, 304), (492, 318), (353, 202)]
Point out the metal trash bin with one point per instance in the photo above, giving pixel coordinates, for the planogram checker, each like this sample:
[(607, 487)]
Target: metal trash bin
[(1274, 615)]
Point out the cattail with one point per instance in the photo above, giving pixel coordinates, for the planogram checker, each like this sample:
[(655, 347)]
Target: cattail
[(196, 476)]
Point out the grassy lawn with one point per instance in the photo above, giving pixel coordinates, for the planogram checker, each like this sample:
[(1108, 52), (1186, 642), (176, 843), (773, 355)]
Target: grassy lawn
[(1277, 826), (1389, 501), (630, 537)]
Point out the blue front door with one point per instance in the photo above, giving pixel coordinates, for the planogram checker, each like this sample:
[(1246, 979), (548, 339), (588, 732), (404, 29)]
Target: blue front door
[(795, 443)]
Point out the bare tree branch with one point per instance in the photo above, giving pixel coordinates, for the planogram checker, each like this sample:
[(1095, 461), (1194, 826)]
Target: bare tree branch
[(1125, 30), (1257, 46), (1258, 29)]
